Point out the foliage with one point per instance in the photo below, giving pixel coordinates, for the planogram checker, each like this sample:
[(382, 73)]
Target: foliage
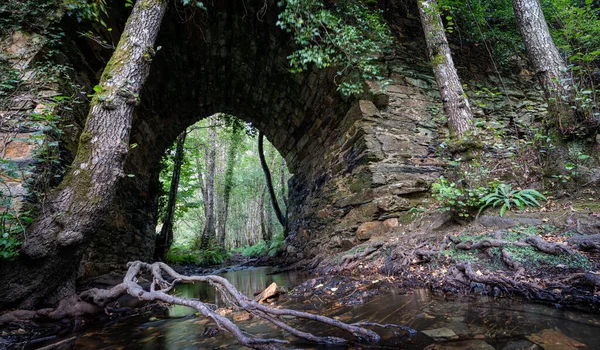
[(491, 23), (575, 27), (26, 14), (507, 197), (10, 226), (452, 197), (530, 255), (262, 248), (349, 35), (189, 255)]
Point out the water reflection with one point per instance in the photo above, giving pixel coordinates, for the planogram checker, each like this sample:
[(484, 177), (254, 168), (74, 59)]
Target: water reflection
[(481, 323), (248, 282)]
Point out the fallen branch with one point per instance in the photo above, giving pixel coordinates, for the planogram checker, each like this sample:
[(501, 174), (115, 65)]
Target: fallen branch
[(160, 287)]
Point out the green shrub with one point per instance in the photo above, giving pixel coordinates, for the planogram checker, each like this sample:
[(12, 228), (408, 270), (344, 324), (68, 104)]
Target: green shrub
[(11, 228), (458, 200), (187, 255), (263, 248)]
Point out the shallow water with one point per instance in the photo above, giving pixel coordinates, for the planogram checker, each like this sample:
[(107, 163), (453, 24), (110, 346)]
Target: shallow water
[(468, 323)]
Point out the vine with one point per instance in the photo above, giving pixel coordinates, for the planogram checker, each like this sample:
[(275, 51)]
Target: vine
[(349, 35)]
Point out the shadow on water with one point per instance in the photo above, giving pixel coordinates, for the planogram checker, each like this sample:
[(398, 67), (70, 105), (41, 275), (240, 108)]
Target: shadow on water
[(469, 323)]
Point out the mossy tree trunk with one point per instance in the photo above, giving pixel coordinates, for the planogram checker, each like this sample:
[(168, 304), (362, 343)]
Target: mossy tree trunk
[(546, 62), (165, 238), (456, 105), (47, 267)]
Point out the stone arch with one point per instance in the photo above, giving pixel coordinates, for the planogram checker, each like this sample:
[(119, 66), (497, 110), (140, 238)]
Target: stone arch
[(233, 59)]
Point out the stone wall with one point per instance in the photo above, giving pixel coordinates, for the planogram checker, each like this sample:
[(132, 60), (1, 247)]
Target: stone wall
[(20, 135)]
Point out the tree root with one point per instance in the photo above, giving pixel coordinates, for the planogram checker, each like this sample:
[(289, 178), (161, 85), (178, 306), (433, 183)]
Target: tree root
[(529, 241), (160, 287), (586, 243), (513, 264)]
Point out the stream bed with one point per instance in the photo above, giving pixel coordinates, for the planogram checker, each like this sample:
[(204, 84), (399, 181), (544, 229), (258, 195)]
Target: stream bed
[(464, 323)]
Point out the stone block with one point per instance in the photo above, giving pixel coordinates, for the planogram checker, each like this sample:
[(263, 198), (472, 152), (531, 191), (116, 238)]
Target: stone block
[(368, 109), (391, 223), (22, 102), (372, 228), (392, 203), (20, 147)]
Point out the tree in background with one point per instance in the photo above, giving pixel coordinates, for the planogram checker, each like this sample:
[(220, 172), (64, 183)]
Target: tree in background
[(243, 215), (234, 144), (456, 103), (165, 238), (282, 218), (547, 63)]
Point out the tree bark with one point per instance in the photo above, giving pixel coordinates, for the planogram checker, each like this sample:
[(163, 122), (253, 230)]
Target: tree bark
[(165, 238), (283, 188), (456, 105), (280, 217), (546, 62), (209, 186), (52, 251)]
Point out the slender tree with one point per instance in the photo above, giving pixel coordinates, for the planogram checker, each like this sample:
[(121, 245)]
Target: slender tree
[(209, 187), (54, 247), (547, 63), (456, 105), (234, 143), (165, 238), (283, 188), (261, 154)]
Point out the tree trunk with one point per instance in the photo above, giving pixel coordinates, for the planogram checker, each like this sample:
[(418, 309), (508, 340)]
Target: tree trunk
[(456, 104), (235, 141), (52, 251), (283, 188), (264, 231), (282, 219), (209, 200), (165, 238), (546, 62)]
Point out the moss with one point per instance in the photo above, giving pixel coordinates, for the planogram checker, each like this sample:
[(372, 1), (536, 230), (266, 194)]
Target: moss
[(593, 205), (360, 181), (438, 60), (531, 256)]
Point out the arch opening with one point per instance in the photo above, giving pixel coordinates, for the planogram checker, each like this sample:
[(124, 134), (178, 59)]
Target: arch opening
[(352, 160)]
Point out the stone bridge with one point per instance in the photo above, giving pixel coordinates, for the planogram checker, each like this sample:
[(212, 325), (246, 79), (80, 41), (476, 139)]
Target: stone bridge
[(358, 164)]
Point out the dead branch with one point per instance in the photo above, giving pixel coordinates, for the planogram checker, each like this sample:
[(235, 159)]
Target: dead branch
[(160, 287)]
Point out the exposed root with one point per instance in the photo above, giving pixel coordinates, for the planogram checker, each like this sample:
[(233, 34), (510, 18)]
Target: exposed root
[(160, 287), (586, 243), (548, 247), (512, 264)]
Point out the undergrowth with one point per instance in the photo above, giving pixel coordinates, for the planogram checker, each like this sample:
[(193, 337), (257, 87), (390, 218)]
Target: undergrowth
[(187, 255)]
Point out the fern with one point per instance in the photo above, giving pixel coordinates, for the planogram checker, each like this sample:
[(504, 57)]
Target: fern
[(507, 197)]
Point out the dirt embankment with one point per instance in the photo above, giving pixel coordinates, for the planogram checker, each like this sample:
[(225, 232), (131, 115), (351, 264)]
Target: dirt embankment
[(546, 256)]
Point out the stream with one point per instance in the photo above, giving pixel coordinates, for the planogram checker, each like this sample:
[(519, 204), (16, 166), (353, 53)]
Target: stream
[(464, 323)]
